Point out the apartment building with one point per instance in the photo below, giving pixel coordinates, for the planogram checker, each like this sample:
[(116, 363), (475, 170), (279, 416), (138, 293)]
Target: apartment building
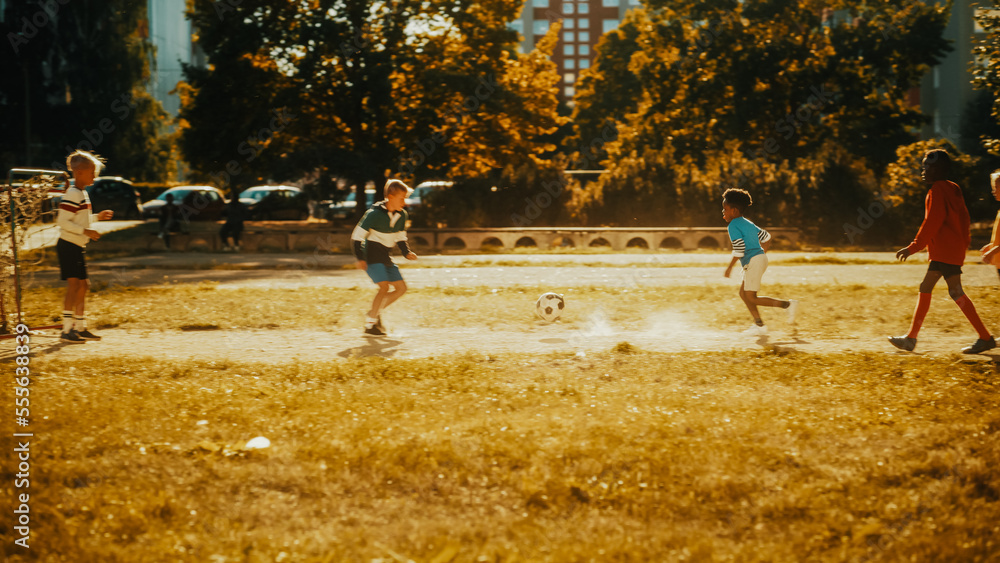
[(583, 23)]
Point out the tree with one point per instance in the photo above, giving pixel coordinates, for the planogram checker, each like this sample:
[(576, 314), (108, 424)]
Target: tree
[(414, 88), (731, 93), (79, 72)]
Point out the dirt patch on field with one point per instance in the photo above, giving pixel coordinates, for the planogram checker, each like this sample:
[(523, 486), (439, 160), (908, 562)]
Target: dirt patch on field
[(664, 334)]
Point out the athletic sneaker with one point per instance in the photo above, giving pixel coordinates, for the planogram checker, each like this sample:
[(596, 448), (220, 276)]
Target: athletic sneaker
[(903, 342), (87, 335), (72, 336), (980, 346), (379, 325), (374, 331), (756, 330), (793, 308)]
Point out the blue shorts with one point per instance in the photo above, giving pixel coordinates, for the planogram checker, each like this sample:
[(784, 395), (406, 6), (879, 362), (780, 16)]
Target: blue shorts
[(384, 273)]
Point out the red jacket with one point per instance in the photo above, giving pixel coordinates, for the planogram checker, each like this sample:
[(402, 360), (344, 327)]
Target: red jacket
[(945, 230)]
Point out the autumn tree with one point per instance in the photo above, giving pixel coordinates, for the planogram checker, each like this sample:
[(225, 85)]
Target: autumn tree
[(414, 88), (756, 93)]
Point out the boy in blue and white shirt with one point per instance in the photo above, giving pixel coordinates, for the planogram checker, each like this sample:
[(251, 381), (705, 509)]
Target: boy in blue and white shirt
[(750, 243)]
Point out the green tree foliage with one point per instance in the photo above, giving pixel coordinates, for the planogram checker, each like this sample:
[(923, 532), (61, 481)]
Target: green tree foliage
[(76, 76), (412, 88), (769, 96)]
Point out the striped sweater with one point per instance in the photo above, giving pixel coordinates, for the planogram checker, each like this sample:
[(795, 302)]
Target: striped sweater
[(75, 216), (747, 239)]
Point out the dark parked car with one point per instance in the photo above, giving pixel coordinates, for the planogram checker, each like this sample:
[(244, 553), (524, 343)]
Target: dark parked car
[(197, 203), (423, 189), (276, 203), (344, 209), (116, 194)]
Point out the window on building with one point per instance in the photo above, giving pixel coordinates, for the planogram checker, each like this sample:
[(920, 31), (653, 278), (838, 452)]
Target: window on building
[(569, 37), (569, 91), (569, 23), (569, 78), (584, 63), (583, 36), (608, 24), (569, 50), (609, 3), (569, 64), (540, 3), (568, 7), (585, 49), (583, 23), (540, 27), (583, 9)]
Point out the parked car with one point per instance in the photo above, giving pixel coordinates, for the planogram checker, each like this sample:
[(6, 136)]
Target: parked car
[(269, 203), (344, 209), (118, 195), (423, 189), (197, 203)]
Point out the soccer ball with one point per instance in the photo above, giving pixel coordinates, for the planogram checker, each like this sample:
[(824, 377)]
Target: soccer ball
[(550, 306)]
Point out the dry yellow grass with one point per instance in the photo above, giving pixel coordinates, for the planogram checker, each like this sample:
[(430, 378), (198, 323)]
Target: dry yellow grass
[(620, 456)]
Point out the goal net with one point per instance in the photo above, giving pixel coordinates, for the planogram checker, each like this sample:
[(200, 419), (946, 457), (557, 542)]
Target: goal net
[(28, 231)]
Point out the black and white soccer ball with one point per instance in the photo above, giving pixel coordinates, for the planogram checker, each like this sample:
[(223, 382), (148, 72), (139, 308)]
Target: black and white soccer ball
[(550, 306)]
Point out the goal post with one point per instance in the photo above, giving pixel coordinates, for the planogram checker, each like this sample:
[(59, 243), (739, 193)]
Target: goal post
[(27, 221)]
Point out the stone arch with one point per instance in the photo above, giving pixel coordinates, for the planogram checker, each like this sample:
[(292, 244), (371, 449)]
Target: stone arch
[(454, 243), (419, 241), (271, 243), (600, 241), (198, 243), (671, 242), (708, 242), (637, 242), (492, 242), (525, 241), (563, 242), (781, 242)]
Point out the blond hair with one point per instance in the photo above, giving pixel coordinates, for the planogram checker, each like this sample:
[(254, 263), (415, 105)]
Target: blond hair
[(83, 159), (393, 186)]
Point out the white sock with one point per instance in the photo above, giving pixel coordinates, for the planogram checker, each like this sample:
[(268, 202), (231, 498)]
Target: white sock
[(67, 321), (370, 322), (80, 323)]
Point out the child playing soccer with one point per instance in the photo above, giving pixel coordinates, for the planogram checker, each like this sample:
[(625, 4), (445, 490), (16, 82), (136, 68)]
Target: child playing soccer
[(945, 233), (382, 227), (74, 221), (991, 252), (749, 245)]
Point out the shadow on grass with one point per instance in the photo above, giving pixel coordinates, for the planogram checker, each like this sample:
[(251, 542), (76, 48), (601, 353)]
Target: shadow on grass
[(381, 346)]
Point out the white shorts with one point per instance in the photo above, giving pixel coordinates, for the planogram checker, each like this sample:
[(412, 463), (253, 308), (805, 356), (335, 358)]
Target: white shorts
[(753, 272)]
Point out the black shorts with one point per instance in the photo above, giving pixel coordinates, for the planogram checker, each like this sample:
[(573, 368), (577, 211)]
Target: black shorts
[(947, 270), (72, 260)]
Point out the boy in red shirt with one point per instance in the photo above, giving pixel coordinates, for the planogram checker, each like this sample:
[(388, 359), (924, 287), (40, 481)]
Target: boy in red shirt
[(945, 233)]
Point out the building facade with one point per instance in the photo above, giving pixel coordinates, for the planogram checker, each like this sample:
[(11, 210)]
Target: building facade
[(171, 34), (583, 23)]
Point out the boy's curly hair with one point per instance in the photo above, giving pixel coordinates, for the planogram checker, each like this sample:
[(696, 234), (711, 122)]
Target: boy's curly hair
[(735, 197)]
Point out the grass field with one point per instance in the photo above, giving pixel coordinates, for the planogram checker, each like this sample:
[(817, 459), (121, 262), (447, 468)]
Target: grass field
[(621, 455)]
